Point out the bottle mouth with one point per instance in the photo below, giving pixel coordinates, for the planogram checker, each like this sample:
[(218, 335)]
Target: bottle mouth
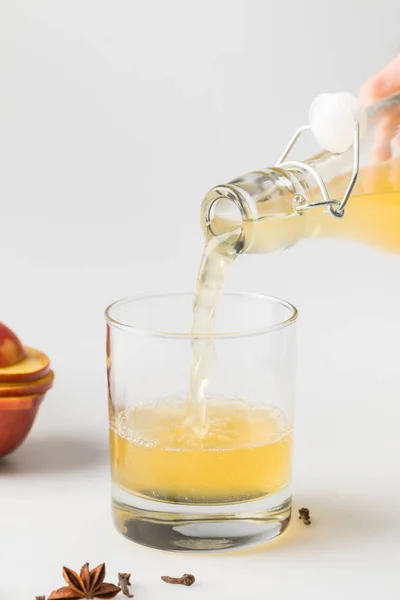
[(224, 215)]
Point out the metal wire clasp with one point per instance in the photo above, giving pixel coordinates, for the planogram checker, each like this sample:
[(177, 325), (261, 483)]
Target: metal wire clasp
[(336, 207)]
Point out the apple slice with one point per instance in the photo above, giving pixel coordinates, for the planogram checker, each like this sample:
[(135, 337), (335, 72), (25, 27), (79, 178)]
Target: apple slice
[(11, 349), (33, 367), (39, 386)]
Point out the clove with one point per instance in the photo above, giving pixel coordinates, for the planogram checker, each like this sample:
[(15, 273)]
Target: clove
[(124, 581), (186, 579), (304, 515)]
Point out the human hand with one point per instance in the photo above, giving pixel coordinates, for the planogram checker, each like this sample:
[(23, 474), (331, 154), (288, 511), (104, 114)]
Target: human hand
[(383, 84), (378, 87)]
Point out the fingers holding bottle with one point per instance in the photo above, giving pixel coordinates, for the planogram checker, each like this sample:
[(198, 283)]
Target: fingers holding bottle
[(384, 84)]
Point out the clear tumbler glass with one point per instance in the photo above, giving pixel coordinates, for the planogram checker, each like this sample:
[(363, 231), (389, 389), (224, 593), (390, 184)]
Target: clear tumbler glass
[(224, 483)]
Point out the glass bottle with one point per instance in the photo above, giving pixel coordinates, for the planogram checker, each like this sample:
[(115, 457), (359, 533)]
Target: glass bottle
[(274, 208)]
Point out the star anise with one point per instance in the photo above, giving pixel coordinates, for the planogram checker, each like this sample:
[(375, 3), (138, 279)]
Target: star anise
[(88, 584)]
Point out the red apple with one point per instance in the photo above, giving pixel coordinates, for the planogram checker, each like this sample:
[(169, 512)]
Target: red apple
[(11, 349), (16, 419)]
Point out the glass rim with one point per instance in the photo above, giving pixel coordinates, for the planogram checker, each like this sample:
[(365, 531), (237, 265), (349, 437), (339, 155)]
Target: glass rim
[(282, 324)]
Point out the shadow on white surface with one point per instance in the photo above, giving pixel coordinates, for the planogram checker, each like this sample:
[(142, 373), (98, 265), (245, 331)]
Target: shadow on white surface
[(54, 454), (336, 523)]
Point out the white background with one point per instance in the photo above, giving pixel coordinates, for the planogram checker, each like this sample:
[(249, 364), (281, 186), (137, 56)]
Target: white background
[(115, 119)]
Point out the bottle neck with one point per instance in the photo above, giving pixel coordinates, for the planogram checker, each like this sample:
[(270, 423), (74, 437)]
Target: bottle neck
[(244, 205), (251, 206)]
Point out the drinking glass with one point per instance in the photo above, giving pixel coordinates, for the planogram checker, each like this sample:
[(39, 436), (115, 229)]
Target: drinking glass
[(220, 481)]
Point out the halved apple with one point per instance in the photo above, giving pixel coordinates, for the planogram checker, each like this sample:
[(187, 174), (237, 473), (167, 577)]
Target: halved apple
[(11, 349), (34, 366), (28, 388)]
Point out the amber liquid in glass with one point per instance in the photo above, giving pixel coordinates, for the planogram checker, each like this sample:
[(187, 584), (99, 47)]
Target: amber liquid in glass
[(244, 452)]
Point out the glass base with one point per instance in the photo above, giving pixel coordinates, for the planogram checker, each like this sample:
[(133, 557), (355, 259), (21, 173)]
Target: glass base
[(200, 528)]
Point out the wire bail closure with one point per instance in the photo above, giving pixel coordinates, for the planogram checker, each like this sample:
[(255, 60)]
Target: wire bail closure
[(336, 207)]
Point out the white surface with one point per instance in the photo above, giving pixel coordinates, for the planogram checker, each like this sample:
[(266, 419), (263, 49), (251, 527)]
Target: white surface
[(112, 113)]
